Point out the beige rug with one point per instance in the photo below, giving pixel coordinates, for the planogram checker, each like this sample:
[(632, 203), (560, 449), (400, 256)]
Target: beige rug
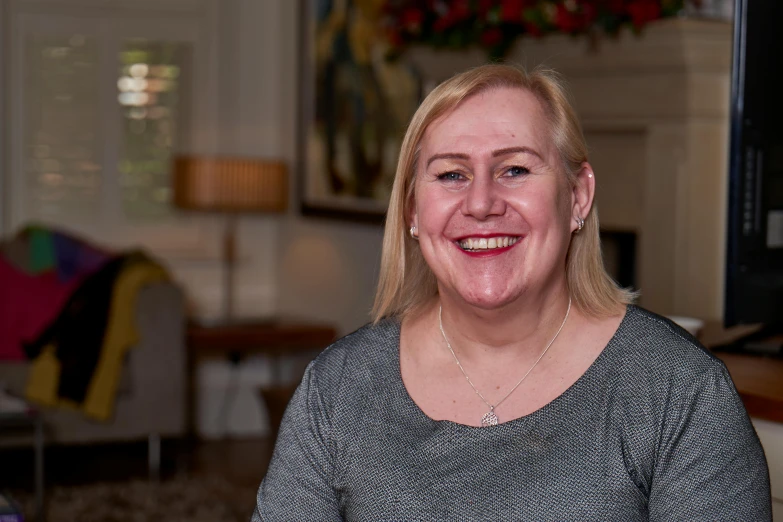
[(182, 498)]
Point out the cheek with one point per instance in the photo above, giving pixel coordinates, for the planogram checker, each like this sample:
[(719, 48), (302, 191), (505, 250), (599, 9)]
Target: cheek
[(547, 212), (433, 209), (563, 201), (566, 192), (543, 204)]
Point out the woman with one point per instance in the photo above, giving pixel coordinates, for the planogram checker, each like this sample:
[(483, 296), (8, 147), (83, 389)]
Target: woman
[(506, 377)]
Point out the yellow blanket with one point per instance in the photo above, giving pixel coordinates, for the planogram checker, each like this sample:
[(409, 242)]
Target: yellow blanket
[(121, 334)]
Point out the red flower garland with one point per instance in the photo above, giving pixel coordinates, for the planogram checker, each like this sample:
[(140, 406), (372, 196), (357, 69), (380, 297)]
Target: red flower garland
[(495, 24)]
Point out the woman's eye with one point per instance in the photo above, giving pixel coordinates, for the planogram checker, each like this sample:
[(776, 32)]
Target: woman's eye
[(517, 171), (450, 176)]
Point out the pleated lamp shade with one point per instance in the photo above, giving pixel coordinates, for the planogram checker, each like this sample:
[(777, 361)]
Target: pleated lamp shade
[(230, 184)]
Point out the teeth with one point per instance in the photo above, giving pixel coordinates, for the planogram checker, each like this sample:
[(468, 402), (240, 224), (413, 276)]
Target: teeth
[(486, 244)]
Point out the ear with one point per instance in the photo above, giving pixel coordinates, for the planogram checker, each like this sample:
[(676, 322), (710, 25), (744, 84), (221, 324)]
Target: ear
[(412, 218), (582, 194)]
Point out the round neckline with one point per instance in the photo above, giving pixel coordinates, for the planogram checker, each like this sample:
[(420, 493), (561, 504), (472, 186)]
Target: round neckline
[(573, 389)]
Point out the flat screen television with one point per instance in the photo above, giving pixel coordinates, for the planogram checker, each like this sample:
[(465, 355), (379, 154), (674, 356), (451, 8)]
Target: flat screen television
[(754, 254)]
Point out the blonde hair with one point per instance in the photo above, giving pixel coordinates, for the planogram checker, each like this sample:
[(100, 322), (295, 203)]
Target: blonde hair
[(406, 281)]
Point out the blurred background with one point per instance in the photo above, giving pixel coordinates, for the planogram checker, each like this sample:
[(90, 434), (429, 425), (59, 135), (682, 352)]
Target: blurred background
[(192, 197)]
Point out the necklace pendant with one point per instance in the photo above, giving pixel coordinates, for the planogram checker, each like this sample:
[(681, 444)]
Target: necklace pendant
[(489, 419)]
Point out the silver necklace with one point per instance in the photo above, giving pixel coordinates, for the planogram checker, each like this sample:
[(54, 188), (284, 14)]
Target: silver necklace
[(490, 418)]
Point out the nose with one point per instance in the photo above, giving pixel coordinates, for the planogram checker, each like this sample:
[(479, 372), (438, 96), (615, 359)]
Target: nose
[(483, 198)]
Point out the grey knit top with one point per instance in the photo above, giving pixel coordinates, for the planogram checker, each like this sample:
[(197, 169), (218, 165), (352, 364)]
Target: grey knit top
[(654, 430)]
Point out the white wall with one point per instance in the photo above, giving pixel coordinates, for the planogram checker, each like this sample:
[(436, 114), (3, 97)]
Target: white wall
[(289, 265), (247, 125), (771, 437), (248, 120), (312, 268), (327, 269), (4, 183)]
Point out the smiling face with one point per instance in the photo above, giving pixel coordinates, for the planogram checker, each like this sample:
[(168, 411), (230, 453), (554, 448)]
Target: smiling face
[(493, 208)]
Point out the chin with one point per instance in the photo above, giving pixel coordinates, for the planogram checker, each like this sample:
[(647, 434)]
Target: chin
[(489, 301)]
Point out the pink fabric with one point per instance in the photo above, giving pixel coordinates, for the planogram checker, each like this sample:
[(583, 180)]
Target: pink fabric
[(27, 305)]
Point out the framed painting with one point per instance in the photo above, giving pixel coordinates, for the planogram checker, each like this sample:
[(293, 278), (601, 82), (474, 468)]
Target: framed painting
[(354, 107)]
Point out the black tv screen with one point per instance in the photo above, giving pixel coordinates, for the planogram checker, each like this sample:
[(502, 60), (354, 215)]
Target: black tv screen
[(754, 268)]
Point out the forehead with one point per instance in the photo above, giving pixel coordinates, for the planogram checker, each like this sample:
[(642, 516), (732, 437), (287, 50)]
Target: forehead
[(499, 118)]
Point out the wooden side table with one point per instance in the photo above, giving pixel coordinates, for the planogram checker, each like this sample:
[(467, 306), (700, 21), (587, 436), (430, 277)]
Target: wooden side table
[(275, 338)]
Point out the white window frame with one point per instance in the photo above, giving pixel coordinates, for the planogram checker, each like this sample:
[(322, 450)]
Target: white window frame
[(189, 21)]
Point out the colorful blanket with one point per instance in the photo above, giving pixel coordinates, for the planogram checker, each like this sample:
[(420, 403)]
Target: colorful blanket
[(69, 307), (39, 269)]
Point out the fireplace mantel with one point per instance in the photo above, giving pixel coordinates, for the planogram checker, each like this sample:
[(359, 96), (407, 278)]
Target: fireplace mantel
[(655, 113)]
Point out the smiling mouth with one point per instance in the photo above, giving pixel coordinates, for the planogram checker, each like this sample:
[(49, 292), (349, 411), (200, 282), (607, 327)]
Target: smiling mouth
[(480, 244)]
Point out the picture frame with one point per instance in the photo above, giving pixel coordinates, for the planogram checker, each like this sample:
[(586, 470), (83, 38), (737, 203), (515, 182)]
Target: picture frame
[(354, 107)]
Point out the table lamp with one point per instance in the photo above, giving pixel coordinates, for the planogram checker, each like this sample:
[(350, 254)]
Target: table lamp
[(231, 186)]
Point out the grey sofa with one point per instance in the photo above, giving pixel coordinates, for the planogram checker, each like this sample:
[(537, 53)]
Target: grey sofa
[(151, 400)]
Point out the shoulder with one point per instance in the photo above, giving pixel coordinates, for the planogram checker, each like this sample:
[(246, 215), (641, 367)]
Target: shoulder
[(662, 341), (662, 381), (364, 356), (688, 443), (651, 347)]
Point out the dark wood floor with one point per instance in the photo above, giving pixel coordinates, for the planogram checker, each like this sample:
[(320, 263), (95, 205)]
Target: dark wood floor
[(242, 462)]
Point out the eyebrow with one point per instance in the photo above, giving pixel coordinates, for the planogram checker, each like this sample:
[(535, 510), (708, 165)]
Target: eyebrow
[(495, 154), (514, 150)]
